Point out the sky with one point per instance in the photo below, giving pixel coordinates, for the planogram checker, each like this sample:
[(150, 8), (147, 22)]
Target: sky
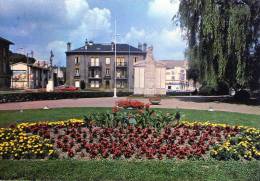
[(44, 25)]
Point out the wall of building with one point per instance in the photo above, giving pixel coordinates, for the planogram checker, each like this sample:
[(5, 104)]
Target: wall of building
[(176, 79), (85, 70), (4, 67)]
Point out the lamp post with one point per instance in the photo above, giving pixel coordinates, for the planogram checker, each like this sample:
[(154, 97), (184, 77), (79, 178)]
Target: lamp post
[(115, 96)]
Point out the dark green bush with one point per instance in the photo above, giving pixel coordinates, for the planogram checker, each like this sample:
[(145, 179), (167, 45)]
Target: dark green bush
[(82, 84), (207, 90), (242, 95), (34, 96), (222, 88)]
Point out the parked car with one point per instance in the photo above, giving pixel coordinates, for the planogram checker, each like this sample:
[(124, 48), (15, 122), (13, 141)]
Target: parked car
[(64, 88)]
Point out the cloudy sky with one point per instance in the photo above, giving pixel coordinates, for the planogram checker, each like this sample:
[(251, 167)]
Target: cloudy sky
[(44, 25)]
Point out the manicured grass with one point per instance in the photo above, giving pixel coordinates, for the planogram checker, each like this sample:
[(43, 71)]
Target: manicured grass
[(130, 170), (8, 117)]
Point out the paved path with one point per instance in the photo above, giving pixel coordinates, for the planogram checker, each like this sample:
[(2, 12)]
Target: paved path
[(109, 102)]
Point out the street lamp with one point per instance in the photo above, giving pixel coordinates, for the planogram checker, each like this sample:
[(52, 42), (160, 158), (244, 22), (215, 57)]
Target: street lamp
[(115, 96)]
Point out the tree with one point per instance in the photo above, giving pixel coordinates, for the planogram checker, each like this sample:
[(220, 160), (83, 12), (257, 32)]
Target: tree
[(223, 40)]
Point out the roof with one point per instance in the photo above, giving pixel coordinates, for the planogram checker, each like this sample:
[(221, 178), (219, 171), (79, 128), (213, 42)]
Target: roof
[(107, 48), (6, 41), (170, 64), (17, 57)]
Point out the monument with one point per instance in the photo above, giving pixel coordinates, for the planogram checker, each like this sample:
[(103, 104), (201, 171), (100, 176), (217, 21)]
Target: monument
[(50, 85), (149, 76)]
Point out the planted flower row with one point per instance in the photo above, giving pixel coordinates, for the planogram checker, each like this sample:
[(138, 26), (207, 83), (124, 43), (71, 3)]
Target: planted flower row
[(80, 140)]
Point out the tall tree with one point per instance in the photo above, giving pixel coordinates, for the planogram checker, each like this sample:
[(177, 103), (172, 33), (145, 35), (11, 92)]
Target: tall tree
[(223, 38)]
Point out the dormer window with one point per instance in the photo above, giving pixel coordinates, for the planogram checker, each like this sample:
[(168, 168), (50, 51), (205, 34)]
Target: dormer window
[(76, 60)]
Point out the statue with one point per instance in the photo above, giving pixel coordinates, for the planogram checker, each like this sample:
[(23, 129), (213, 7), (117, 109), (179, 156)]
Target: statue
[(50, 85)]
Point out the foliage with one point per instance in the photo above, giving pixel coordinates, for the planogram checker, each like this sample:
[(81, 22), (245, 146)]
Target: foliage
[(242, 95), (223, 40), (76, 139), (34, 96), (82, 84)]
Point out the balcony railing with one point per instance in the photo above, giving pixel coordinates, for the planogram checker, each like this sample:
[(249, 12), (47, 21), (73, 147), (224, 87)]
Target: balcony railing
[(97, 76), (121, 77), (121, 64), (107, 76), (98, 65), (76, 76)]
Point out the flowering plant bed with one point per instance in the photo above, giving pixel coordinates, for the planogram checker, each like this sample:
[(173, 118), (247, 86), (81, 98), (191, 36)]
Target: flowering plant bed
[(94, 138), (133, 104)]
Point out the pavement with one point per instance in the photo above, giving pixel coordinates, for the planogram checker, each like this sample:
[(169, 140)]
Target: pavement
[(110, 102)]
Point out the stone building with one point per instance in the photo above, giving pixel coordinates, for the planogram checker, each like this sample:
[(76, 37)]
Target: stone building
[(149, 76), (94, 64), (5, 73), (176, 76), (29, 76)]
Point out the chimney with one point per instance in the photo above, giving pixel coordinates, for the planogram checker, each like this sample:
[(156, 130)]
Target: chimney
[(86, 44), (140, 46), (112, 46), (144, 47), (68, 46)]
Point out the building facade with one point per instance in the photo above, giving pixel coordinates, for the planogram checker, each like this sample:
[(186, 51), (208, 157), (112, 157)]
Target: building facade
[(94, 64), (29, 76), (149, 76), (5, 72), (176, 76)]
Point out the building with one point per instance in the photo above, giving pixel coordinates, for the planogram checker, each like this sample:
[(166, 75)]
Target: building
[(5, 72), (29, 76), (176, 75), (59, 75), (94, 64), (149, 76)]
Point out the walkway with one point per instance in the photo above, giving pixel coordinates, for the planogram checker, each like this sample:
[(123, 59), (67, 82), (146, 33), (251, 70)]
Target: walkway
[(109, 102)]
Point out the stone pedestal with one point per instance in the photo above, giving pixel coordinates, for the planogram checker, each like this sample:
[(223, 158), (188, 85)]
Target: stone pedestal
[(50, 86)]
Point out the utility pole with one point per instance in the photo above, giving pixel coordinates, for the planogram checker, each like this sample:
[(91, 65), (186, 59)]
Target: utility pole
[(115, 96)]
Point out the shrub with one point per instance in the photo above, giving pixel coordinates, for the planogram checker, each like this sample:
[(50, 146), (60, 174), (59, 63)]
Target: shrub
[(222, 88), (82, 84), (207, 90), (34, 96), (242, 95)]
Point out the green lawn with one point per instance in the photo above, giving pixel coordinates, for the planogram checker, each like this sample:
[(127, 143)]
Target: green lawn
[(128, 170), (8, 117)]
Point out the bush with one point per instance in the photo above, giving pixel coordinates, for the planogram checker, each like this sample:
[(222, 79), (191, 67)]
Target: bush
[(35, 96), (222, 88), (82, 84), (207, 90), (242, 95)]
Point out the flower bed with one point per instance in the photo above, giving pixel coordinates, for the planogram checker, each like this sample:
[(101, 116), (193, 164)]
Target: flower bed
[(133, 104), (94, 138)]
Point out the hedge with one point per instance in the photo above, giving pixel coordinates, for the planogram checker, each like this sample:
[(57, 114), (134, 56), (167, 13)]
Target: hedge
[(35, 96)]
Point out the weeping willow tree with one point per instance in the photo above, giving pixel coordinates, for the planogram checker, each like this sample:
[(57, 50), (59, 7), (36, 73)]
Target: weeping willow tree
[(223, 39)]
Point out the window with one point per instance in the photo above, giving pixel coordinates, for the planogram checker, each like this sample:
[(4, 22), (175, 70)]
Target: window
[(168, 73), (94, 84), (120, 61), (173, 78), (107, 60), (120, 84), (94, 61), (169, 87), (135, 59), (76, 60), (77, 84), (107, 71), (76, 72)]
